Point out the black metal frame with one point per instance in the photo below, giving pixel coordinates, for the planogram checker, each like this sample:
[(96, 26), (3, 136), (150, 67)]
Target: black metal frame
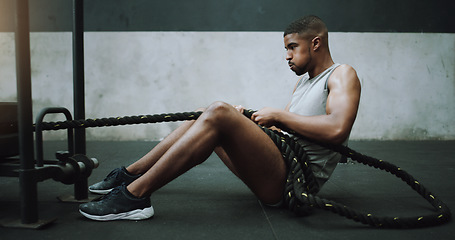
[(81, 186), (28, 184), (28, 172), (39, 133)]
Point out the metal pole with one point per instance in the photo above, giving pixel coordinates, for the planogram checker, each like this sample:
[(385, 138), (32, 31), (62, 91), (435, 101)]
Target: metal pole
[(80, 187), (28, 184)]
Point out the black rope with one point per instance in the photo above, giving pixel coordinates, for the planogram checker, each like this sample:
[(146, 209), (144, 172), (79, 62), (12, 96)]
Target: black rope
[(117, 121), (301, 185), (300, 188)]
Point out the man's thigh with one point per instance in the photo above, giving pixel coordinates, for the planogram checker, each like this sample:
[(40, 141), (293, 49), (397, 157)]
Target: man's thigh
[(254, 158)]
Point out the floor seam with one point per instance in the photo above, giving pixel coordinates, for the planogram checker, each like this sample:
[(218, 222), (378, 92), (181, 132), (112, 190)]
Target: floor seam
[(268, 220)]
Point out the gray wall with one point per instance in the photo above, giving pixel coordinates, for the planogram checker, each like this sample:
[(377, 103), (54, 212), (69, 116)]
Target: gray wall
[(407, 70)]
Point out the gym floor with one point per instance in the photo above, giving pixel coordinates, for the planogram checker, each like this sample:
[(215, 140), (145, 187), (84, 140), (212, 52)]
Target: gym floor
[(208, 202)]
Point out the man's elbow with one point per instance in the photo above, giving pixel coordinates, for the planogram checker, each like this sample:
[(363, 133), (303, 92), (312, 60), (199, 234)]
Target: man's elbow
[(338, 136)]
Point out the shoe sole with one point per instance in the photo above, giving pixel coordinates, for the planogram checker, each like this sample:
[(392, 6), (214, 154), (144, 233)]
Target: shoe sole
[(138, 214), (102, 191)]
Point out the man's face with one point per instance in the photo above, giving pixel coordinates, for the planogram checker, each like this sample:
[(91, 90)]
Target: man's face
[(298, 53)]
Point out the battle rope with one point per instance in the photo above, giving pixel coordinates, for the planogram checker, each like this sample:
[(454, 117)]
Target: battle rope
[(300, 186)]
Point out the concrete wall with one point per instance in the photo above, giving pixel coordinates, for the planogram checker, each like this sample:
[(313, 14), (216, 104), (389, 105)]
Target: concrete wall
[(408, 79)]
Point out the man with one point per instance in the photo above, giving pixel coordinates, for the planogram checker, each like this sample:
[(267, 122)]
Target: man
[(323, 108)]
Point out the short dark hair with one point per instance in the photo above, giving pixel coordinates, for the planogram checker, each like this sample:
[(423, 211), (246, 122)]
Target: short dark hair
[(308, 24)]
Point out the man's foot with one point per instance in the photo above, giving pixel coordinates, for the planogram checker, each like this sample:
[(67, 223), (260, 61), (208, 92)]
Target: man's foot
[(118, 204), (115, 178)]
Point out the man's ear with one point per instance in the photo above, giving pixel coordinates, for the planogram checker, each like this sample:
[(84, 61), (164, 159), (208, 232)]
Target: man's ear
[(316, 43)]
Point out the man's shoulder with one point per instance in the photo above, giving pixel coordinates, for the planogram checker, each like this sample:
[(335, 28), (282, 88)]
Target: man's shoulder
[(342, 74), (343, 69)]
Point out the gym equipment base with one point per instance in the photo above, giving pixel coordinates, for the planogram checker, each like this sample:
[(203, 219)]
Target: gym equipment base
[(16, 223)]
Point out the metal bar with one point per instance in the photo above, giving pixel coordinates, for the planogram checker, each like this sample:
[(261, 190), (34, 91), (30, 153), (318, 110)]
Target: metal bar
[(39, 132), (78, 72), (28, 185), (80, 187)]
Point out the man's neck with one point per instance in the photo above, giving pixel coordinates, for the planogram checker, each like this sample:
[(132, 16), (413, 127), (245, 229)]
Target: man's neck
[(321, 66)]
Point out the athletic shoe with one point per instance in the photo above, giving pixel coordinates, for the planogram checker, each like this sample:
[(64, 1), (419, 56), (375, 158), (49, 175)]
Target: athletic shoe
[(117, 205), (115, 178)]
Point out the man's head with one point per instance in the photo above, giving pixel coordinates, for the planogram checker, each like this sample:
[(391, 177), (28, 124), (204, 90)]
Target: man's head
[(308, 27), (305, 39)]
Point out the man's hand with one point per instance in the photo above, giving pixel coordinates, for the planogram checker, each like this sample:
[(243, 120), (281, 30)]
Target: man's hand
[(266, 117), (239, 108)]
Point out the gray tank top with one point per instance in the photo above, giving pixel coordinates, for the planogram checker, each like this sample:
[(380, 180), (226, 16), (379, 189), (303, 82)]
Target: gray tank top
[(309, 99)]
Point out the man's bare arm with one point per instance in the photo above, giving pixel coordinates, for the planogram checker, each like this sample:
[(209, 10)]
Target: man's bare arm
[(341, 109)]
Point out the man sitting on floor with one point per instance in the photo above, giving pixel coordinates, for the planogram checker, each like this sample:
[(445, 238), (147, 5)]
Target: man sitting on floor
[(323, 108)]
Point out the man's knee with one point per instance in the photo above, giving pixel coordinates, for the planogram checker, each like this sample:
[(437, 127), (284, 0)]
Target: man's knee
[(216, 106), (218, 111), (219, 108)]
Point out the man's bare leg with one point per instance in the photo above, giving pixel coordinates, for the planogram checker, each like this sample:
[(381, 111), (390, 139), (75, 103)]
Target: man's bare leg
[(147, 161), (252, 154)]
